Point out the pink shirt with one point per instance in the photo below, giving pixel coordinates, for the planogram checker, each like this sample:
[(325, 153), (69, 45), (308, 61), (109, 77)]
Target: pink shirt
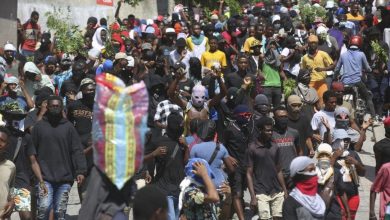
[(382, 185)]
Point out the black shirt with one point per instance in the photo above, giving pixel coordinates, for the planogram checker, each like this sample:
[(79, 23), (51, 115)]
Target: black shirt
[(236, 142), (23, 169), (382, 153), (350, 188), (264, 160), (58, 151), (287, 143), (293, 210), (169, 171), (31, 119), (302, 125)]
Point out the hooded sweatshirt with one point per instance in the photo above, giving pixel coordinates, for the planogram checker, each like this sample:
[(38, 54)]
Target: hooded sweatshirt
[(58, 151), (32, 86)]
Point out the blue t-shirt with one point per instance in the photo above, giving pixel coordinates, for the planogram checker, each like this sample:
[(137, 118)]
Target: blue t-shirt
[(204, 150)]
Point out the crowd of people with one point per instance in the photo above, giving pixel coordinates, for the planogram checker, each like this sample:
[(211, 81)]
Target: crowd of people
[(220, 120)]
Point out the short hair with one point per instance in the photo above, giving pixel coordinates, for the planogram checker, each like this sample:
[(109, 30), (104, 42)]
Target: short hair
[(54, 97), (264, 121), (147, 200), (103, 21), (280, 108), (34, 13), (4, 130), (329, 94), (213, 38), (195, 24), (242, 56)]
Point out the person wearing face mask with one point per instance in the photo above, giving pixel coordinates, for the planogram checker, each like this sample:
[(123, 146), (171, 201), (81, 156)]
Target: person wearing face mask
[(170, 154), (198, 106), (263, 173), (56, 159), (78, 74), (307, 94), (287, 139), (304, 202), (299, 122), (12, 63), (34, 79), (12, 86), (120, 68), (19, 143), (261, 108), (255, 57), (349, 165), (329, 183), (382, 147), (80, 113), (66, 70), (236, 139), (318, 62)]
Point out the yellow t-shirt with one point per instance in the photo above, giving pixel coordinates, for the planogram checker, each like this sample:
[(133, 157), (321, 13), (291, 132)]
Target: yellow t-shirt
[(321, 59), (350, 17), (208, 59), (247, 44)]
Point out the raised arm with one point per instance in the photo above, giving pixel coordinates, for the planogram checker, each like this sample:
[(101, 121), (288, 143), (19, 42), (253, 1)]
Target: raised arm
[(223, 91), (173, 96)]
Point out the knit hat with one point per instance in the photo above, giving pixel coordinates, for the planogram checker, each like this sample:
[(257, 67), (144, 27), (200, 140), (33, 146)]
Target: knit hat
[(299, 164), (261, 99), (240, 109)]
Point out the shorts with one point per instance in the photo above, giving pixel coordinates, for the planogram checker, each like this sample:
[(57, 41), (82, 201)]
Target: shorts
[(22, 199), (237, 181), (270, 205)]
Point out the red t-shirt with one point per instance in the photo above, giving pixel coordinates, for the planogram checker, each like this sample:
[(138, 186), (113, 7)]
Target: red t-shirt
[(381, 185), (32, 31)]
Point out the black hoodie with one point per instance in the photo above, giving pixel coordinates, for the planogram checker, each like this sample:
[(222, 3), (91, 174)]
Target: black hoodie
[(58, 151)]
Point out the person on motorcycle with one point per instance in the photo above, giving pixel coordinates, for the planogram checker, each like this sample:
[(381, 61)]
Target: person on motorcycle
[(353, 62)]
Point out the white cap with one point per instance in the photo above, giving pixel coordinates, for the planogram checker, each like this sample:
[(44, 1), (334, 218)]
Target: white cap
[(149, 22), (275, 18), (9, 46), (214, 17), (283, 10), (130, 61), (329, 4), (321, 30), (11, 80), (170, 30), (324, 148)]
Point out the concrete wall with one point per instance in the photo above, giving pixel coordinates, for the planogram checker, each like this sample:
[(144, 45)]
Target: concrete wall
[(8, 21), (82, 9)]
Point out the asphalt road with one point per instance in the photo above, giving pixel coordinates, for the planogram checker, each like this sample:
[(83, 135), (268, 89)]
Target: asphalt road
[(366, 155)]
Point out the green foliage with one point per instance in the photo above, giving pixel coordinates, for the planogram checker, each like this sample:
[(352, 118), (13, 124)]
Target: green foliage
[(288, 87), (380, 52), (132, 2), (234, 6), (309, 12), (11, 107), (68, 38)]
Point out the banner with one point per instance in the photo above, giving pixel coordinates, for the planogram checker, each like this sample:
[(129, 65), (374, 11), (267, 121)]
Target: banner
[(119, 127), (105, 2)]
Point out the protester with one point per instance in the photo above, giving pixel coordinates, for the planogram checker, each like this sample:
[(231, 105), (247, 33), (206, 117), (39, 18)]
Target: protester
[(8, 172), (381, 148), (380, 186)]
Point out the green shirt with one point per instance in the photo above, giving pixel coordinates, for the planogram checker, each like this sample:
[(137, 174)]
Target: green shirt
[(271, 76)]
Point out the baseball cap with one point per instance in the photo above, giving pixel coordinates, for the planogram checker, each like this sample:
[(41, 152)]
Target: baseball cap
[(275, 18), (299, 164), (341, 110), (181, 42), (120, 55), (255, 43), (9, 47), (170, 30), (214, 17), (11, 80), (86, 81), (146, 46)]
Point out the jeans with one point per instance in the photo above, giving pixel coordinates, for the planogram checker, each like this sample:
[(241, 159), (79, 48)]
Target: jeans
[(56, 198), (274, 95), (367, 96), (173, 209)]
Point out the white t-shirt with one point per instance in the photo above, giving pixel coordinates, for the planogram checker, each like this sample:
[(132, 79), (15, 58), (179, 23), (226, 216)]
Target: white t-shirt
[(292, 69), (316, 123)]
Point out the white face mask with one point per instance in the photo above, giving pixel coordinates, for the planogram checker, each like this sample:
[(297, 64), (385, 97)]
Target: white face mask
[(198, 96)]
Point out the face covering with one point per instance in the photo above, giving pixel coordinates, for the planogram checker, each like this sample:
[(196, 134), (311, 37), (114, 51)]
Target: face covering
[(323, 164), (198, 96), (281, 123), (263, 109), (242, 121), (54, 115), (309, 185), (277, 26), (175, 128), (89, 98), (3, 155), (342, 123), (339, 100)]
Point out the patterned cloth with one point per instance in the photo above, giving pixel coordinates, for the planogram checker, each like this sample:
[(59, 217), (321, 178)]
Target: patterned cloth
[(119, 127), (194, 206), (22, 199), (164, 109)]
